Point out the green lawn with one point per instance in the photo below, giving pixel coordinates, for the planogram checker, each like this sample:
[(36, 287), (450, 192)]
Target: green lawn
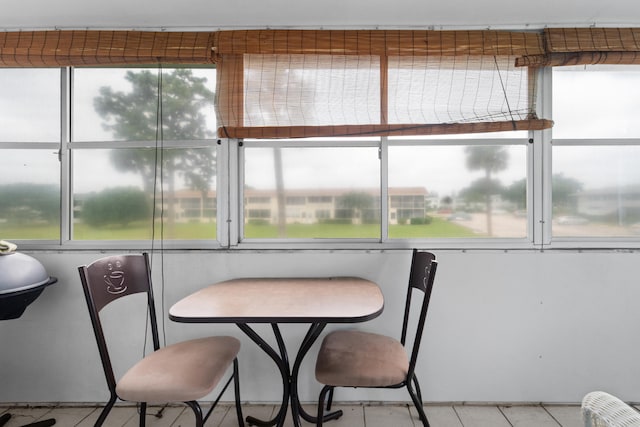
[(10, 231), (197, 231), (134, 231), (437, 228), (140, 231)]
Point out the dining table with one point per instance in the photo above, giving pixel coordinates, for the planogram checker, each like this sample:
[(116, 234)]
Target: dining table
[(316, 301)]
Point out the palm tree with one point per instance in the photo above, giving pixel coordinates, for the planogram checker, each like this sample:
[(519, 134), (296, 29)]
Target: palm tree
[(490, 159)]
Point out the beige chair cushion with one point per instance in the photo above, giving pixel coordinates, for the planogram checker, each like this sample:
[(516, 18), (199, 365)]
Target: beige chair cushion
[(180, 372), (361, 359)]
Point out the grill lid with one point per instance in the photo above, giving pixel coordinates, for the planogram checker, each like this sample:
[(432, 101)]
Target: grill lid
[(19, 272)]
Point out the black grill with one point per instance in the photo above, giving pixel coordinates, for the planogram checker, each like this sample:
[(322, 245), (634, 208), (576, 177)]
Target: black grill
[(22, 280)]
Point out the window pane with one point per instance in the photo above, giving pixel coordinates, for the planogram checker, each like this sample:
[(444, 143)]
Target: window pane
[(29, 105), (457, 89), (313, 90), (113, 194), (603, 102), (29, 195), (596, 191), (457, 191), (325, 192), (122, 104)]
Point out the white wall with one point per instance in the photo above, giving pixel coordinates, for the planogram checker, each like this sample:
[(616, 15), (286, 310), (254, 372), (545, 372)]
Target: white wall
[(327, 13), (518, 326)]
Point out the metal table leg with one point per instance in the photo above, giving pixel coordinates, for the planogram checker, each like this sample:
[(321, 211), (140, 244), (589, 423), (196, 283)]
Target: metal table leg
[(281, 360), (312, 335), (289, 375)]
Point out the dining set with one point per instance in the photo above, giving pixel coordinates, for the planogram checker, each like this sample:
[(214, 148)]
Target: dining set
[(189, 371)]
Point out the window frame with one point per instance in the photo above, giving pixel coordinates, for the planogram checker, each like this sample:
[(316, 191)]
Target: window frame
[(384, 242), (229, 184), (65, 149), (72, 145), (579, 242), (56, 147)]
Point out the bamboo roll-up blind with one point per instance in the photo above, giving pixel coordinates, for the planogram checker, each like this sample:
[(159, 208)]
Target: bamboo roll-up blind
[(381, 130), (592, 39), (306, 83), (295, 95), (85, 47), (378, 42), (579, 58), (584, 46), (230, 91)]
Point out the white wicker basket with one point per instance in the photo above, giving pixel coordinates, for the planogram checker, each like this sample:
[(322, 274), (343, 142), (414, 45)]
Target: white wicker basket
[(600, 409)]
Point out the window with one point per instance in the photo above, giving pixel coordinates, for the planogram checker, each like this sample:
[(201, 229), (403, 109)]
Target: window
[(458, 188), (436, 189), (120, 175), (315, 190), (29, 147), (132, 170), (450, 89), (596, 152), (129, 170), (290, 90)]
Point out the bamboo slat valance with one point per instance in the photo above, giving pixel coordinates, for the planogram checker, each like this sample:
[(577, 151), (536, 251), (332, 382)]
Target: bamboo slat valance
[(592, 39), (554, 46), (378, 42), (579, 58), (584, 46), (86, 47)]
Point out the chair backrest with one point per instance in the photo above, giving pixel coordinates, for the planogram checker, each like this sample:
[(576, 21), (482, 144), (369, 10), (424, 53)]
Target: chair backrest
[(600, 409), (108, 279), (421, 278)]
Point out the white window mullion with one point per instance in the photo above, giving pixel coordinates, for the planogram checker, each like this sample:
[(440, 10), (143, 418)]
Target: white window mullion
[(66, 190), (542, 212), (229, 196), (384, 189)]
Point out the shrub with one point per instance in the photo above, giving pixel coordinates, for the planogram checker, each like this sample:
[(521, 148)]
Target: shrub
[(421, 220), (116, 206)]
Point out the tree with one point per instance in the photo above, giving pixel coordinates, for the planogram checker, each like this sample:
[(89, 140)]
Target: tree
[(133, 116), (357, 204), (517, 193), (115, 206), (23, 202), (478, 190), (490, 159), (563, 191)]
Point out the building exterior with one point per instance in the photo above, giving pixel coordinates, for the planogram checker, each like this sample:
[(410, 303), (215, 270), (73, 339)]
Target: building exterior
[(308, 206)]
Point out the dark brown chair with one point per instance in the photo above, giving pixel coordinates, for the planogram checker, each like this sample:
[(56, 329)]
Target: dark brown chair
[(182, 372), (351, 358)]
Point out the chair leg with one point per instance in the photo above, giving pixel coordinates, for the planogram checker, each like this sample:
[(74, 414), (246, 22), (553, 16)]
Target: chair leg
[(323, 395), (236, 392), (197, 411), (330, 400), (143, 413), (418, 392), (106, 410), (418, 404)]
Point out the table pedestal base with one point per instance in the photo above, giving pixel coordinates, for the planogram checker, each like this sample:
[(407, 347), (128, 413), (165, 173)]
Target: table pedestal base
[(289, 375)]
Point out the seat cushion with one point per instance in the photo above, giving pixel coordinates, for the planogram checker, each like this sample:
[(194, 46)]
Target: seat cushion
[(361, 359), (180, 372)]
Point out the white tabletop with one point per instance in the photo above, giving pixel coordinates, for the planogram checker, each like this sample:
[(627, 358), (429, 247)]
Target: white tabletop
[(282, 300)]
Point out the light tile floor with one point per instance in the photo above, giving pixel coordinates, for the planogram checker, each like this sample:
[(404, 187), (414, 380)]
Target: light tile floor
[(356, 415)]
